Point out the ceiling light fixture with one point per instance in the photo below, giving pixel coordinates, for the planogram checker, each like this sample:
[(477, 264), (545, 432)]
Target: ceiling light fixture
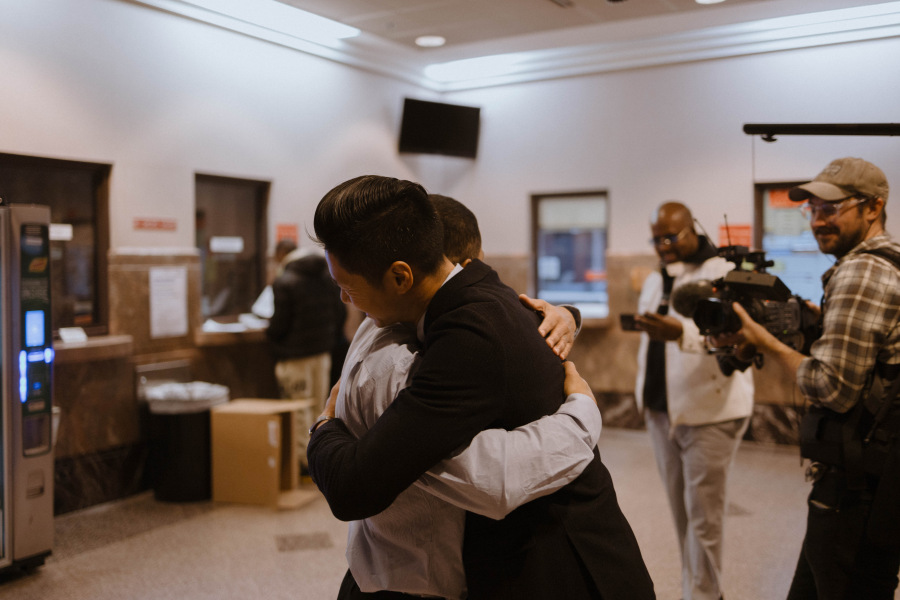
[(708, 1), (430, 41), (475, 68)]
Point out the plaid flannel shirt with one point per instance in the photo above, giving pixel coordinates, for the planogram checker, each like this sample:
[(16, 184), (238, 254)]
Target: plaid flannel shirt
[(861, 310)]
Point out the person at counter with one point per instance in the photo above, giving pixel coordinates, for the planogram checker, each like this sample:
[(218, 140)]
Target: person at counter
[(306, 326)]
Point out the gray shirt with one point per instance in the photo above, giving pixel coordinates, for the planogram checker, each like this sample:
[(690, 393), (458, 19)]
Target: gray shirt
[(415, 546)]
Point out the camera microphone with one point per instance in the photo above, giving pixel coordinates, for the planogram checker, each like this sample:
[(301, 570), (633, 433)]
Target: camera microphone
[(687, 296)]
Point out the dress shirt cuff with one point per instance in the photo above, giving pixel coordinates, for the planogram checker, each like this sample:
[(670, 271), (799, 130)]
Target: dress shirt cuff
[(583, 408)]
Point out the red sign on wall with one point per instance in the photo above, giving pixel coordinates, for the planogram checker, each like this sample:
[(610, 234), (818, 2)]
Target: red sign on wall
[(736, 235), (155, 224), (778, 198), (287, 231)]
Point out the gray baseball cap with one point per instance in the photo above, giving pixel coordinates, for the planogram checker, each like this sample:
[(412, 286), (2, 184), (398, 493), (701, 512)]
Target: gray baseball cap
[(842, 178)]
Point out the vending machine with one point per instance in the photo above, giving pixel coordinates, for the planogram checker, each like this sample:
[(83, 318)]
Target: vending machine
[(26, 349)]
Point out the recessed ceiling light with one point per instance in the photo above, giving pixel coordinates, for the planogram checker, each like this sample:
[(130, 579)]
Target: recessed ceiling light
[(708, 1), (430, 41)]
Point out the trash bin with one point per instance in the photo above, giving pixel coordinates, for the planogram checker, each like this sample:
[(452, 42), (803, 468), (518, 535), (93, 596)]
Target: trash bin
[(180, 438)]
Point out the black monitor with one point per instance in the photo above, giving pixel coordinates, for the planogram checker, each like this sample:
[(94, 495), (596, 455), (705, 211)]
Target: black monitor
[(438, 128)]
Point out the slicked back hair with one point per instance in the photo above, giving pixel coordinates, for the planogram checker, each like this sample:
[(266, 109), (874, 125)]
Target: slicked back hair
[(370, 222), (462, 238)]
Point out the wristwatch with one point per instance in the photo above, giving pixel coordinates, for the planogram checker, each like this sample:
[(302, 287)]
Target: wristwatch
[(319, 421)]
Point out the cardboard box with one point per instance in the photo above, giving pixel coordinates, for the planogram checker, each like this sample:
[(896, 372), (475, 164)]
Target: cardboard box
[(254, 452)]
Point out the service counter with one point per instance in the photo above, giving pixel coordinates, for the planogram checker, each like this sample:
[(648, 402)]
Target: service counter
[(241, 360), (99, 449), (102, 440)]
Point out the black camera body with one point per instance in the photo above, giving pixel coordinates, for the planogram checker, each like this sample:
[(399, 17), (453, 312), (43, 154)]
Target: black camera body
[(764, 296)]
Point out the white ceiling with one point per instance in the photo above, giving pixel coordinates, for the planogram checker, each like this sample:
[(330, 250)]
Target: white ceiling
[(468, 21), (500, 42)]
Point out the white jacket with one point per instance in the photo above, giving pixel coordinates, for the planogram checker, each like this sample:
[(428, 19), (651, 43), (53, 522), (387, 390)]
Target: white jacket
[(697, 391)]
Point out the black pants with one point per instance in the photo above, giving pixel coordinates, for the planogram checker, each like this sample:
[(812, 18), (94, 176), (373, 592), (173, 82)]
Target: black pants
[(350, 591), (838, 561)]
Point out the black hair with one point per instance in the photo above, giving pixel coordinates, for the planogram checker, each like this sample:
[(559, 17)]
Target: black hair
[(370, 222), (462, 238)]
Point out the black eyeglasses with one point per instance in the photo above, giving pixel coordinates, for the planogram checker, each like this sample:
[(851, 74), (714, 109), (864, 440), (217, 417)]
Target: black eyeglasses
[(668, 240)]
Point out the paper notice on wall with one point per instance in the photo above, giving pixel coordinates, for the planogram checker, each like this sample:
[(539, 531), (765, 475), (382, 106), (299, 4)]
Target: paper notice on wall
[(168, 302)]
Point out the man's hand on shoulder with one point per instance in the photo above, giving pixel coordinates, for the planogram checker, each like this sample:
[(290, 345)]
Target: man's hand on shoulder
[(558, 326)]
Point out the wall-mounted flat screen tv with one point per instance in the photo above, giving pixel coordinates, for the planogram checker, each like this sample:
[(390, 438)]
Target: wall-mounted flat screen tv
[(438, 128)]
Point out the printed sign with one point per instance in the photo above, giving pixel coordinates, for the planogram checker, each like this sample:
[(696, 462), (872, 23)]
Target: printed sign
[(227, 244), (168, 302), (736, 235), (155, 224), (287, 231), (778, 198)]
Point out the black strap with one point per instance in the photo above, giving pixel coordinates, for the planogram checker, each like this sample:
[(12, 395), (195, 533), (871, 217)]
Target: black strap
[(869, 419), (655, 396), (886, 253), (890, 401), (854, 447), (668, 281)]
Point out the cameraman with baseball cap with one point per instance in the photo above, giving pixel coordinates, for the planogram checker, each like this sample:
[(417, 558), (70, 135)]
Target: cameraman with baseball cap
[(852, 543)]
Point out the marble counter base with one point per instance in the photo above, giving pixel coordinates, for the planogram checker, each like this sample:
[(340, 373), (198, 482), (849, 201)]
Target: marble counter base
[(90, 479)]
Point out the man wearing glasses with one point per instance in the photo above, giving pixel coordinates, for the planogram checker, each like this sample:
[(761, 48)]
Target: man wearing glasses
[(696, 414), (852, 543)]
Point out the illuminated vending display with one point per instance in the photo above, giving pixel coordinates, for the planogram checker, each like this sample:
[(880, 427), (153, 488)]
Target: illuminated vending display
[(35, 353), (26, 378)]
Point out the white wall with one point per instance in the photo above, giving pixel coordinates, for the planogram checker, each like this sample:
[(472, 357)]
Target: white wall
[(676, 133), (162, 97)]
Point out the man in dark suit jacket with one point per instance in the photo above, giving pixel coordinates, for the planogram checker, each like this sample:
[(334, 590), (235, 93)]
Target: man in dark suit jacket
[(484, 365)]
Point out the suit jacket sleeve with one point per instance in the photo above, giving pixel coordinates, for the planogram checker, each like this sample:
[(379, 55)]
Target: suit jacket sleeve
[(457, 391)]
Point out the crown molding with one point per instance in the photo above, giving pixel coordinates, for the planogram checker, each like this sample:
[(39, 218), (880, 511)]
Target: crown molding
[(669, 41)]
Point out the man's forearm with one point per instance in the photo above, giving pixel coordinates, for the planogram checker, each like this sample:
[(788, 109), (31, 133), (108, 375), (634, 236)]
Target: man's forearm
[(788, 358), (783, 355), (501, 470)]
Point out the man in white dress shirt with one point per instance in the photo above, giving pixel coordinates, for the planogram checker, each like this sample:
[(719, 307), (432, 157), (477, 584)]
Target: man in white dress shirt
[(414, 548)]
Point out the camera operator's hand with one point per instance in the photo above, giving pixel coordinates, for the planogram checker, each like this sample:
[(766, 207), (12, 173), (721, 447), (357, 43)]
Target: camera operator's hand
[(815, 309), (752, 333), (659, 327), (743, 350)]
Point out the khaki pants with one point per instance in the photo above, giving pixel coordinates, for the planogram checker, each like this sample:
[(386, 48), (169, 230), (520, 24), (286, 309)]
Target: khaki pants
[(694, 461), (306, 378)]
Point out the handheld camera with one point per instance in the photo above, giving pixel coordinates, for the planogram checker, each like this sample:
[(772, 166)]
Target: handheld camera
[(764, 296)]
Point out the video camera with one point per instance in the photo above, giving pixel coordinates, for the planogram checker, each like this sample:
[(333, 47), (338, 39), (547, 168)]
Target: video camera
[(764, 296)]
